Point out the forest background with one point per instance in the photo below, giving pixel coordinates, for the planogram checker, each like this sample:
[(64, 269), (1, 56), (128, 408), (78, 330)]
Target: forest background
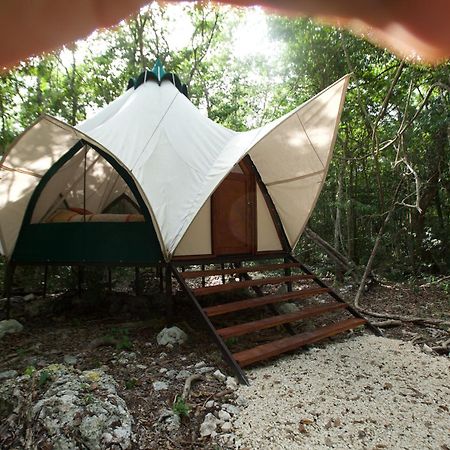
[(386, 200)]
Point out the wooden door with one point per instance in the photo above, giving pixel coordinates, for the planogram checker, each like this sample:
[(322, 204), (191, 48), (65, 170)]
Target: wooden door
[(233, 210)]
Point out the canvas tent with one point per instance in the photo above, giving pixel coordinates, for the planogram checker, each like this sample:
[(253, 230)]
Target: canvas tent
[(156, 158)]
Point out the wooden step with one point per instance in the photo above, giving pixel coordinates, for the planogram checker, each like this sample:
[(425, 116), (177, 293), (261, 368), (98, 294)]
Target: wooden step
[(265, 351), (213, 272), (248, 283), (270, 322), (254, 302)]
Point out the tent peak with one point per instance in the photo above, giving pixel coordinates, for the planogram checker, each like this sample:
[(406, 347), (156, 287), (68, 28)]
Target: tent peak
[(158, 74), (158, 70)]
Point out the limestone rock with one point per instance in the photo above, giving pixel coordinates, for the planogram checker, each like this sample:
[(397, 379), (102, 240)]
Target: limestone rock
[(209, 426), (171, 374), (172, 335), (170, 420), (200, 364), (231, 383), (8, 374), (160, 386), (287, 308), (10, 326), (183, 374), (229, 408), (218, 375), (226, 427), (241, 401), (141, 366), (69, 413), (427, 349), (204, 370), (70, 360), (224, 415)]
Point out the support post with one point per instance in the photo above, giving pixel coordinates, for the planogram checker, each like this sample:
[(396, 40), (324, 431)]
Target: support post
[(161, 278), (222, 265), (44, 294), (9, 276), (169, 295), (109, 280), (288, 273), (137, 281), (80, 280)]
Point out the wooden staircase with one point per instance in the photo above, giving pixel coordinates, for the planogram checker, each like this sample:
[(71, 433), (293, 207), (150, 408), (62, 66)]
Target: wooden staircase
[(249, 329)]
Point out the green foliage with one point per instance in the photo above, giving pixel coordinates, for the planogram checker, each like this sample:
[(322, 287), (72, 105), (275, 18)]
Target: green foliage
[(121, 336), (180, 407), (44, 376), (131, 383), (446, 288), (21, 352), (88, 399), (29, 371), (231, 341)]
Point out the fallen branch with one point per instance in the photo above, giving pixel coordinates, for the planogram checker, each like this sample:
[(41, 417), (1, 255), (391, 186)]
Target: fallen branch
[(408, 319), (416, 338), (188, 384), (388, 323), (439, 280), (224, 393), (443, 348)]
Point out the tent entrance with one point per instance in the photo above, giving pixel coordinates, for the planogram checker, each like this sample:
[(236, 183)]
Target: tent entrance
[(87, 210), (233, 214)]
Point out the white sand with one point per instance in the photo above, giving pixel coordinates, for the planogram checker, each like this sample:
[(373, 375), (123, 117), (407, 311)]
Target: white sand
[(363, 393)]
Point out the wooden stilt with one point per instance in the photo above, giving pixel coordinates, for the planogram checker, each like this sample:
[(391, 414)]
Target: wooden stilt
[(203, 278), (288, 273), (9, 276), (161, 278), (109, 280), (222, 265), (80, 280), (44, 294), (137, 281), (169, 295)]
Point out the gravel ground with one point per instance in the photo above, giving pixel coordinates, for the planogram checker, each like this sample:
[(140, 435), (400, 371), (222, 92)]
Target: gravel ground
[(364, 392)]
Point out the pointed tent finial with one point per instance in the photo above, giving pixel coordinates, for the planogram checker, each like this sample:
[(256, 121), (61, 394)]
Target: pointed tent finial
[(158, 70)]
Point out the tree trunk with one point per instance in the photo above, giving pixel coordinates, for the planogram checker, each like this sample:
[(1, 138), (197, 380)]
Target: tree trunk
[(350, 217), (369, 265), (339, 274)]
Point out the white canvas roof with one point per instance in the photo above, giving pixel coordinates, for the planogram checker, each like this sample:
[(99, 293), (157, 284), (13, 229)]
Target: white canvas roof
[(178, 157)]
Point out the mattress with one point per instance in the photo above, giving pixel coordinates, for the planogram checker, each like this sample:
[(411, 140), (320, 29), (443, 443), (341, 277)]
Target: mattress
[(69, 215)]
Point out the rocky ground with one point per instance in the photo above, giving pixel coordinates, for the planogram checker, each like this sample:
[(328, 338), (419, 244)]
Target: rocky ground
[(86, 370)]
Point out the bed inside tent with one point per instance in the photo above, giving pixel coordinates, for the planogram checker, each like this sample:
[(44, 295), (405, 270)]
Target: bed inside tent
[(86, 209)]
